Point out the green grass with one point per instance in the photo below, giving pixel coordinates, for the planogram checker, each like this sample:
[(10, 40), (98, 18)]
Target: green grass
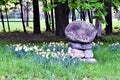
[(17, 26), (13, 68), (107, 67)]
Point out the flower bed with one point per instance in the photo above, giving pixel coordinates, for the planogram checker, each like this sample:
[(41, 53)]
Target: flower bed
[(52, 53)]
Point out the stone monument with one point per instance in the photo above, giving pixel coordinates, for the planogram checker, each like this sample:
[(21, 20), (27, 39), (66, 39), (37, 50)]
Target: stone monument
[(81, 35)]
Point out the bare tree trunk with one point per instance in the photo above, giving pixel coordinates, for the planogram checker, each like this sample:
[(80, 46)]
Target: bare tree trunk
[(2, 19), (73, 12), (46, 17), (108, 18), (36, 17), (73, 15), (52, 17), (24, 29), (90, 16), (82, 15), (27, 22), (7, 19), (98, 25)]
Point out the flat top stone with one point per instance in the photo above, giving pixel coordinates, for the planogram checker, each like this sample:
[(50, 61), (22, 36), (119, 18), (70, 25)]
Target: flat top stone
[(80, 31)]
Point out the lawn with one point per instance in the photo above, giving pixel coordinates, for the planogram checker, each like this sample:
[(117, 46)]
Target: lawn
[(48, 61), (17, 26)]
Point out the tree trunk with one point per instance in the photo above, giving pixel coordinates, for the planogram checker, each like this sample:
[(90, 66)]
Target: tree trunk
[(73, 12), (36, 18), (61, 18), (98, 25), (90, 16), (58, 18), (73, 15), (46, 16), (82, 15), (27, 22), (7, 19), (24, 29), (108, 18), (52, 17), (2, 19), (66, 11)]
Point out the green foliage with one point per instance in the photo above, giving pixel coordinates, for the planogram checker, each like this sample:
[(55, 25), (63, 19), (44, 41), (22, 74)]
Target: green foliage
[(48, 7), (110, 39), (74, 5), (61, 1)]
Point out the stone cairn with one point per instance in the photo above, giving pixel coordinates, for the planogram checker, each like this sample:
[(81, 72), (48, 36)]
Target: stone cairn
[(81, 35)]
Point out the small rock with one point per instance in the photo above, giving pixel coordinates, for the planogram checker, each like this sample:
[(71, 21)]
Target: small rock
[(75, 53), (88, 53)]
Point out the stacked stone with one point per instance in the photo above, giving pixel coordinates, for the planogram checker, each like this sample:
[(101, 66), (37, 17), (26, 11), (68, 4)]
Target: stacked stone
[(81, 35)]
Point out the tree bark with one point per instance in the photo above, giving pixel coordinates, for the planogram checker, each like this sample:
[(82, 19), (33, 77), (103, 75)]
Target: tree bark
[(2, 19), (108, 18), (36, 17), (61, 18), (52, 17)]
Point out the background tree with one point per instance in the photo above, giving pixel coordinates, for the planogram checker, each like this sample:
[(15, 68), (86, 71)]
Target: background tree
[(4, 4), (20, 1), (36, 17), (2, 20), (6, 11), (61, 17), (46, 13), (108, 17), (52, 16)]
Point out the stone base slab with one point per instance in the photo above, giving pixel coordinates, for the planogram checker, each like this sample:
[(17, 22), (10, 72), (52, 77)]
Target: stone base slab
[(76, 53)]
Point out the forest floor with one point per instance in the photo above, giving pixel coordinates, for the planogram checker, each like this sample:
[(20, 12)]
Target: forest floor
[(48, 37), (29, 37)]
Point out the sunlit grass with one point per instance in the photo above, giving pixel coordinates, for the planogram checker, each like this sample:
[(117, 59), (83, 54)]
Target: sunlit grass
[(17, 26)]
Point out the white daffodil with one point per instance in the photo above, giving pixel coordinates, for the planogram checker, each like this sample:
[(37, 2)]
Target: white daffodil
[(35, 47), (48, 50)]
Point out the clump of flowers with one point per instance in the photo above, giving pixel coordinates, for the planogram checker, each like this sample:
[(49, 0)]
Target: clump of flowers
[(48, 54), (97, 46), (114, 47)]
